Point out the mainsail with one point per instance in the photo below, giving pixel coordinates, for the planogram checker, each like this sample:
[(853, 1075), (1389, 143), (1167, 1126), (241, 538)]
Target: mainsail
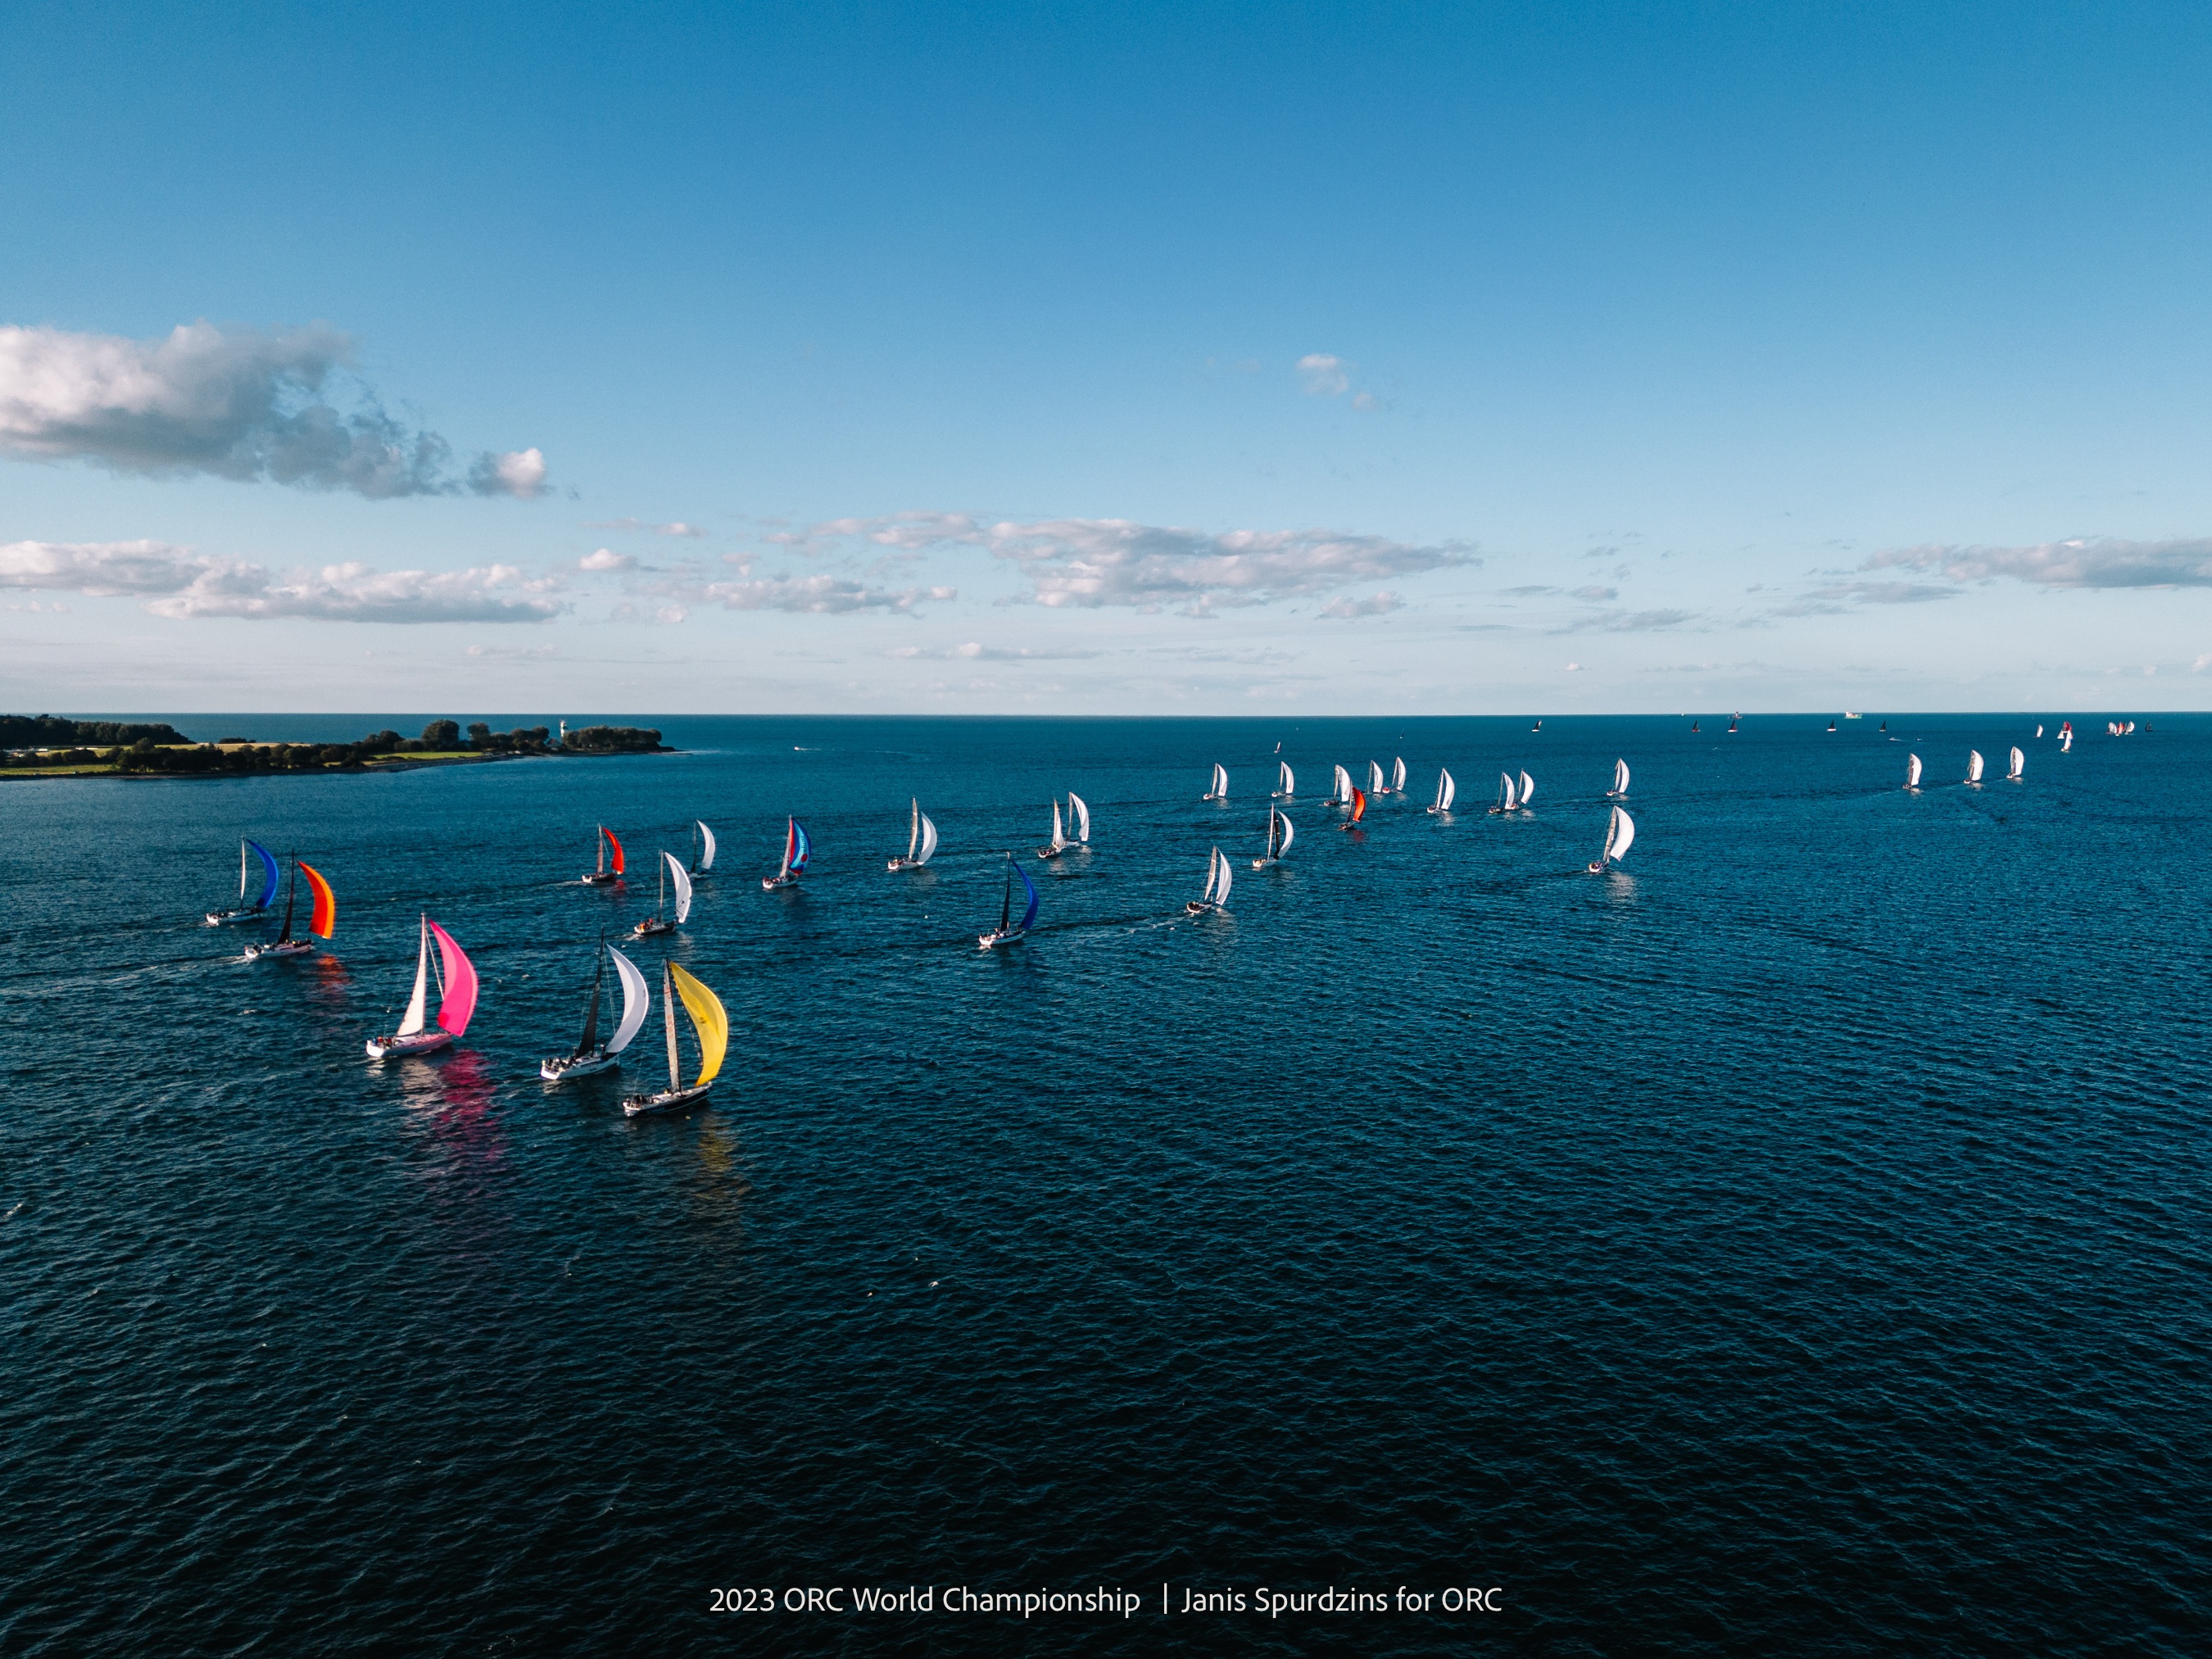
[(2019, 765), (636, 999), (706, 847), (1619, 833), (1398, 775), (682, 878), (1527, 789), (1286, 784), (1343, 795), (1081, 809), (1913, 771), (1620, 777), (1445, 790)]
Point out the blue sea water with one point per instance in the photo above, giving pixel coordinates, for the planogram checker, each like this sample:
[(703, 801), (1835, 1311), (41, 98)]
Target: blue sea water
[(1797, 1243)]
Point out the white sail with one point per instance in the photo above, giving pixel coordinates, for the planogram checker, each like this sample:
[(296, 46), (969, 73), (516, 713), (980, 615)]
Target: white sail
[(1220, 781), (1445, 790), (2038, 731), (1620, 777), (1288, 783), (1216, 879), (678, 874), (706, 847), (1059, 835), (1913, 771), (2019, 764), (1527, 789), (2065, 742), (418, 1005), (1289, 834), (1398, 775), (928, 840), (1343, 787), (913, 825), (637, 1000), (1375, 784), (1081, 808), (1973, 766), (1506, 798), (1618, 835)]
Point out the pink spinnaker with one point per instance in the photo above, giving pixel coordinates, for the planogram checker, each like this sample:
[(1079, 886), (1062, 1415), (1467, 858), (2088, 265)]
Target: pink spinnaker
[(460, 998)]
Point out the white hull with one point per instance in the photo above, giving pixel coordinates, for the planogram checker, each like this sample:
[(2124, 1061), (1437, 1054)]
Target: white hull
[(224, 918), (1437, 811), (769, 883), (905, 863), (1050, 851), (997, 936), (563, 1067), (651, 925), (1203, 908), (665, 1100), (1598, 869), (283, 948), (1265, 863), (400, 1048)]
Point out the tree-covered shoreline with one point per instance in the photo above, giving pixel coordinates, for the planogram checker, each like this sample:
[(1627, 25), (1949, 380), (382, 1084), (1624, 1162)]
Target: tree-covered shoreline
[(48, 744)]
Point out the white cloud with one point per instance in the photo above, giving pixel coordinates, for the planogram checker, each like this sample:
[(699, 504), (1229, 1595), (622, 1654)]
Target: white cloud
[(815, 595), (1365, 400), (1088, 563), (2185, 562), (520, 473), (241, 404), (2201, 664), (1633, 622), (1574, 668), (1381, 604), (1837, 599), (605, 558), (177, 582), (676, 527), (1325, 375)]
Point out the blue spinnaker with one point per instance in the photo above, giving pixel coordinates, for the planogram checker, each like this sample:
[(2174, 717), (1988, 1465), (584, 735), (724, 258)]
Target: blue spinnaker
[(269, 870), (802, 847), (1029, 916)]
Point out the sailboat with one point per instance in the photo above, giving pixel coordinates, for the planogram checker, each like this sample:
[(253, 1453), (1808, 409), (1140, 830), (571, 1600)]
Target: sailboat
[(1375, 784), (710, 1023), (1912, 772), (1398, 775), (1693, 728), (1974, 767), (921, 841), (703, 842), (2019, 763), (1445, 790), (2066, 738), (322, 916), (1733, 721), (671, 866), (1280, 835), (604, 877), (1342, 796), (1059, 843), (591, 1054), (1079, 812), (1619, 789), (1287, 784), (1528, 790), (1219, 791), (1359, 810), (1215, 900), (1831, 725), (248, 850), (1538, 726), (1619, 832), (2039, 730), (457, 999), (797, 849), (1508, 795), (1007, 933)]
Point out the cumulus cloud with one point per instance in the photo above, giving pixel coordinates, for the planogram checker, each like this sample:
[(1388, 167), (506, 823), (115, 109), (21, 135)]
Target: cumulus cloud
[(242, 404), (2185, 562), (1325, 375), (975, 650), (676, 527), (1090, 563), (1382, 604), (605, 558), (1630, 622), (817, 595), (175, 582)]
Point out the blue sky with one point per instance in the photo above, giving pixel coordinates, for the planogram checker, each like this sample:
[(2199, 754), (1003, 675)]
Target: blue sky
[(1132, 359)]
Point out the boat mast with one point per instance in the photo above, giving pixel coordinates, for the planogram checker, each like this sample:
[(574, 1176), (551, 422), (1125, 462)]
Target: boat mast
[(1007, 908), (591, 1013), (668, 1012), (241, 872), (291, 888), (913, 828)]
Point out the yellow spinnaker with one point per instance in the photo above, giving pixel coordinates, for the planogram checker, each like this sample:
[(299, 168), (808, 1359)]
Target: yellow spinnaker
[(709, 1018)]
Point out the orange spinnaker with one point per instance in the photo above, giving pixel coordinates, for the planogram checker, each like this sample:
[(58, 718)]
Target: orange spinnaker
[(616, 845), (1358, 805), (326, 905)]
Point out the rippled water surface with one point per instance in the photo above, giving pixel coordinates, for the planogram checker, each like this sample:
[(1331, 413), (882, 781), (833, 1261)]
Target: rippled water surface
[(1797, 1244)]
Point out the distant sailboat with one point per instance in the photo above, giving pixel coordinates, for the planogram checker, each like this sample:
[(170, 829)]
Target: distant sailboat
[(1398, 775), (1528, 790), (1359, 810), (671, 868), (1059, 843), (1445, 790), (1078, 810), (1619, 832), (1538, 726), (1280, 835), (1215, 900), (1693, 727), (604, 875), (1973, 766), (1831, 725), (1007, 932), (1912, 772), (2019, 764), (457, 999), (921, 841), (703, 842), (1733, 721), (1286, 785), (710, 1023), (1220, 789), (2066, 738), (322, 916), (2038, 731), (591, 1054), (1342, 796), (1619, 789), (247, 851), (797, 849), (1508, 795), (1375, 784)]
